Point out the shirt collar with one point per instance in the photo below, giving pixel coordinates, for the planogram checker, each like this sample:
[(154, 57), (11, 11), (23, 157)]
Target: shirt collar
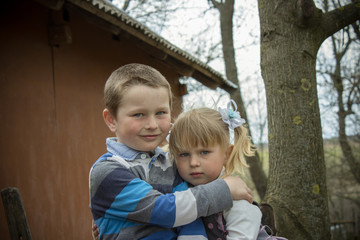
[(119, 149)]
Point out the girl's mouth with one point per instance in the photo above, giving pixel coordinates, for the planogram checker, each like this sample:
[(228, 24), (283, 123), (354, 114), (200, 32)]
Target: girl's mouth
[(196, 174)]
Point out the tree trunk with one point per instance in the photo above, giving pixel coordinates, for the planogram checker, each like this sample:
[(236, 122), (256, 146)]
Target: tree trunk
[(297, 182), (291, 34), (226, 10)]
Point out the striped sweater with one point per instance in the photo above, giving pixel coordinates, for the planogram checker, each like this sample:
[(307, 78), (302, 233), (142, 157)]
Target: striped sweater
[(135, 196)]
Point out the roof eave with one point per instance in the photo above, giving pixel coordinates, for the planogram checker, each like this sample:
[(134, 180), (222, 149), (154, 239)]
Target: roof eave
[(116, 21)]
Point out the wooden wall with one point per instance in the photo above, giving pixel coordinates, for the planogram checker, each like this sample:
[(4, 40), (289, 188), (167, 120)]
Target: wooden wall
[(50, 114)]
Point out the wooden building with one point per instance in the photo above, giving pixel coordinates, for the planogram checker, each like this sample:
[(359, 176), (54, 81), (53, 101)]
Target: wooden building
[(55, 58)]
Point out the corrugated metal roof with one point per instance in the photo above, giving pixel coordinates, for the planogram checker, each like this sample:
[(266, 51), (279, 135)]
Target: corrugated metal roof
[(120, 15)]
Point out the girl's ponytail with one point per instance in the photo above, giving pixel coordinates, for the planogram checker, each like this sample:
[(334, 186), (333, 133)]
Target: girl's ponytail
[(239, 137)]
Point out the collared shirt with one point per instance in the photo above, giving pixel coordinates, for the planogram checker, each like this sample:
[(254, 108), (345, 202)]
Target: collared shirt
[(127, 200), (118, 149)]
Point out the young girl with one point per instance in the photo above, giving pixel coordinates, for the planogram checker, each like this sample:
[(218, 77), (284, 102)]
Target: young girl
[(201, 144)]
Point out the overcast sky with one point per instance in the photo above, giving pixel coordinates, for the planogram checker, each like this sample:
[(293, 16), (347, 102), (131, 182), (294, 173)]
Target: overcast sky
[(184, 29)]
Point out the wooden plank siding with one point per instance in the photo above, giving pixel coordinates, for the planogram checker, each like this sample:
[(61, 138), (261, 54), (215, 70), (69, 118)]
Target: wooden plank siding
[(53, 70)]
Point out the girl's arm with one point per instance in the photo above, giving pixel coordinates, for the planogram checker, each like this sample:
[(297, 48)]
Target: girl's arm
[(242, 221)]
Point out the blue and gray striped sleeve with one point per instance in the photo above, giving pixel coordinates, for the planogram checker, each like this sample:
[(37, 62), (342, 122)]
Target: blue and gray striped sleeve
[(115, 192)]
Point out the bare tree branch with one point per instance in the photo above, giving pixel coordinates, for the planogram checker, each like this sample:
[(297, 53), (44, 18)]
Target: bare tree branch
[(339, 18)]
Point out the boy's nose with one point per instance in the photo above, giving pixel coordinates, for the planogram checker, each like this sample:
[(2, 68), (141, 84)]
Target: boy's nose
[(152, 123)]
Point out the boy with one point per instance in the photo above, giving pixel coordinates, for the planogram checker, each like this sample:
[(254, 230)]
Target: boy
[(131, 186)]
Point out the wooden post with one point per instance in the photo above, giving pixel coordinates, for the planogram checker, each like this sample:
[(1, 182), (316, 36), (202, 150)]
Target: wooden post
[(15, 214)]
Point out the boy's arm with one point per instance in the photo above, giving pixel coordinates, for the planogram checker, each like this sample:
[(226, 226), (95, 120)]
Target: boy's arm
[(239, 189), (116, 193), (202, 200), (194, 230)]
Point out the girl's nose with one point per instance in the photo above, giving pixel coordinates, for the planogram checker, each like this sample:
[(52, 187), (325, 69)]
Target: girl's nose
[(194, 161)]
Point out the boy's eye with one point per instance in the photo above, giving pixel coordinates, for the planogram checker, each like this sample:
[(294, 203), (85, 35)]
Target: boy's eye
[(160, 113), (138, 115)]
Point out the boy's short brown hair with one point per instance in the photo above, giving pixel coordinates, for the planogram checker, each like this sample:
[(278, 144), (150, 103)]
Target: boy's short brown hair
[(129, 75)]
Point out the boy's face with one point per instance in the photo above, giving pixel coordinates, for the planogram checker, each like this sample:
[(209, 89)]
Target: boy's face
[(201, 165), (143, 119)]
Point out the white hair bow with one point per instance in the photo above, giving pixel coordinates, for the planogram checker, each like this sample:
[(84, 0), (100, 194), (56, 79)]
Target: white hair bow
[(230, 116)]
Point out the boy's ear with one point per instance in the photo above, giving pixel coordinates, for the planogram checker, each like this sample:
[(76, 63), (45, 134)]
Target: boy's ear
[(109, 120)]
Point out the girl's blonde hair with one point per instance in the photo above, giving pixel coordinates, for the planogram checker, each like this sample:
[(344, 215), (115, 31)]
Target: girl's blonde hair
[(205, 127)]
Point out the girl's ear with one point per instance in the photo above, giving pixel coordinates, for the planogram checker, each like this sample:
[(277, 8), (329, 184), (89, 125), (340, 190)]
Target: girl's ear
[(109, 120), (228, 152)]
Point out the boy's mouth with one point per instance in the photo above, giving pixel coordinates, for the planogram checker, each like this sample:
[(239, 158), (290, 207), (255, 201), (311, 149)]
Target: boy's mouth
[(150, 137)]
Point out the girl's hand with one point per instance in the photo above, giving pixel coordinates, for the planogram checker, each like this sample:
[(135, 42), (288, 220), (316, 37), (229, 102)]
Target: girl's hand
[(238, 188)]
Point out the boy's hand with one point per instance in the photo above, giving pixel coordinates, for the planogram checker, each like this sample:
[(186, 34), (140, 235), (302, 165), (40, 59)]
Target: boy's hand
[(238, 189), (95, 231)]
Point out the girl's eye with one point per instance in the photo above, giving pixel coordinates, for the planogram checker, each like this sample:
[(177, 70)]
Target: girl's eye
[(138, 115), (204, 152), (184, 154)]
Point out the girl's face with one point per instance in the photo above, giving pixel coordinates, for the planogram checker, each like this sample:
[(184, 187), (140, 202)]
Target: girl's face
[(201, 165), (143, 119)]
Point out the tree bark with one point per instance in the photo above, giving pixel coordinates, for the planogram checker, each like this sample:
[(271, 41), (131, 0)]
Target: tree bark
[(291, 34), (226, 10)]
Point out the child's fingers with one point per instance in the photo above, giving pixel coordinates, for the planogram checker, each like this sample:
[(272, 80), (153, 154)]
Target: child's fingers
[(95, 231)]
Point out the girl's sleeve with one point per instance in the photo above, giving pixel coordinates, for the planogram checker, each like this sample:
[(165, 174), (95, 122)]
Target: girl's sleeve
[(116, 193), (242, 221)]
